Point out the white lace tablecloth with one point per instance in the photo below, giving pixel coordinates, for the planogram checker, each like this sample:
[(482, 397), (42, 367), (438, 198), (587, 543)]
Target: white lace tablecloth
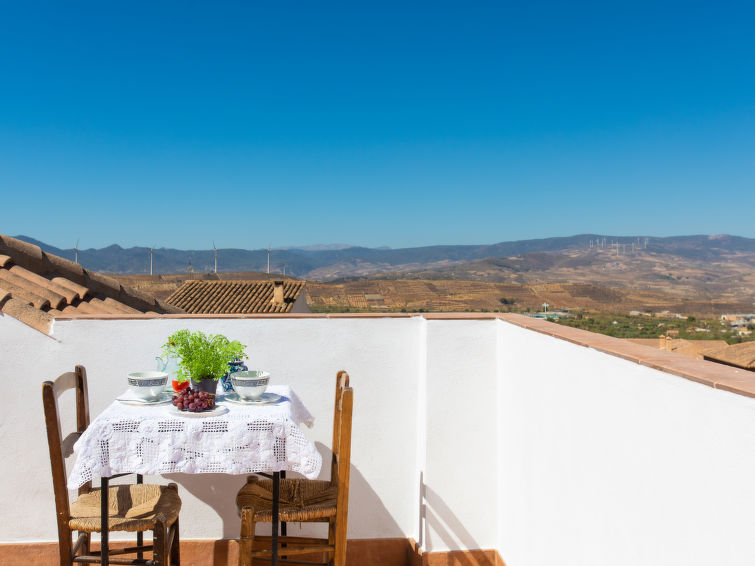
[(154, 440)]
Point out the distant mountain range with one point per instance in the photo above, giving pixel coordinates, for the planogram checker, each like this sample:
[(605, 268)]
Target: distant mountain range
[(584, 252), (316, 247)]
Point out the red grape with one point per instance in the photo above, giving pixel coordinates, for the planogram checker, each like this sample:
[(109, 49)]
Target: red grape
[(194, 401)]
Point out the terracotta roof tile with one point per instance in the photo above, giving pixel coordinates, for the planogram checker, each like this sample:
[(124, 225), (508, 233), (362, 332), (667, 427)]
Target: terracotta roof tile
[(692, 348), (66, 293), (35, 286), (14, 276), (65, 267), (119, 308), (100, 283), (26, 294), (14, 248), (79, 290), (85, 307), (99, 306), (70, 309), (27, 314), (110, 306), (4, 295), (235, 297), (738, 355)]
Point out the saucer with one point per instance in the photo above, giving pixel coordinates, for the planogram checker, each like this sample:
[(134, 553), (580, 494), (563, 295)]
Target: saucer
[(264, 399), (218, 410), (133, 400)]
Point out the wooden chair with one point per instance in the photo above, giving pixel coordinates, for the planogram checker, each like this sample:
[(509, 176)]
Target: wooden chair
[(303, 500), (135, 508)]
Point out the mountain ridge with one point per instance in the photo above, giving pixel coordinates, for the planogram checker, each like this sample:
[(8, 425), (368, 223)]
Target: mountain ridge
[(356, 261)]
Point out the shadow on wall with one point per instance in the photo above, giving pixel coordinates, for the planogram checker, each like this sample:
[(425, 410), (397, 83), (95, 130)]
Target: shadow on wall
[(440, 520), (366, 510), (218, 491)]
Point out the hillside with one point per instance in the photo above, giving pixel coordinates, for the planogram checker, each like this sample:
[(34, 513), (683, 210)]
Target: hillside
[(384, 295), (696, 274), (690, 277), (331, 264), (456, 295)]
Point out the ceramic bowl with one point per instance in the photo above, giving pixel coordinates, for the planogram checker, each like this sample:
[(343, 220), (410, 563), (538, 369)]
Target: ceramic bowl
[(250, 385), (147, 385)]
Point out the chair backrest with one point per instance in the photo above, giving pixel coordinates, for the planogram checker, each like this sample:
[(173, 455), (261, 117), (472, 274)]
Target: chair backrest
[(342, 382), (60, 447), (341, 463)]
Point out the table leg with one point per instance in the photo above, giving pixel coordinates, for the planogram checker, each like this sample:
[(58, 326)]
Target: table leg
[(276, 493), (104, 523), (140, 534), (283, 524)]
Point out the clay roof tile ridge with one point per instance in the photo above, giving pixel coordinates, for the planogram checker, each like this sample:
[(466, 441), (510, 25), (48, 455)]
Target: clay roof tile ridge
[(22, 279), (29, 315), (66, 292)]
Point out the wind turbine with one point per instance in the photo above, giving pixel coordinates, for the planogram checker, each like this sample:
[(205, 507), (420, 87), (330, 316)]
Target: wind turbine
[(150, 260), (76, 251), (268, 258), (216, 255)]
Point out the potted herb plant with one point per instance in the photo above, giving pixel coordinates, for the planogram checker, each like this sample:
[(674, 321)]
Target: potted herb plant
[(202, 358)]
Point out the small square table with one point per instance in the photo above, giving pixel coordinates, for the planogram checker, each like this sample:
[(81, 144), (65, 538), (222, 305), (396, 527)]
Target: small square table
[(158, 439)]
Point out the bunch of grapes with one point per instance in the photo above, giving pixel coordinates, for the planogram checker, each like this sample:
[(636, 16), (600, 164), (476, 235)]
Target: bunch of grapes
[(194, 401)]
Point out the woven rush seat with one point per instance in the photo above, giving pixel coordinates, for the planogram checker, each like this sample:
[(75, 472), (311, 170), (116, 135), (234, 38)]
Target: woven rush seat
[(300, 500), (130, 508)]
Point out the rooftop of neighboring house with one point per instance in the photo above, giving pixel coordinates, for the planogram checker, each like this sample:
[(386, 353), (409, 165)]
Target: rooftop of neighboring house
[(692, 348), (737, 355), (36, 286), (238, 297)]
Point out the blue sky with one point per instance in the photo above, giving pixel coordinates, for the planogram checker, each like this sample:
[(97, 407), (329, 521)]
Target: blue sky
[(400, 124)]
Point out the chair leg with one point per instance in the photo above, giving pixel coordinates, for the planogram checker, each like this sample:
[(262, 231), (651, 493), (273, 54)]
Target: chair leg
[(246, 542), (160, 551), (65, 546), (174, 557), (339, 556), (87, 544), (175, 548), (331, 541)]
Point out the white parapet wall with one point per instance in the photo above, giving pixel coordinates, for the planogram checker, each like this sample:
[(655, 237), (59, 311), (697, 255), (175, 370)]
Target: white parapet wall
[(603, 461), (381, 355), (468, 433), (460, 476)]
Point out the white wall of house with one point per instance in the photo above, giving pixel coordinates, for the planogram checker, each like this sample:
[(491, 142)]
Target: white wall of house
[(548, 451), (461, 435), (605, 461), (382, 357)]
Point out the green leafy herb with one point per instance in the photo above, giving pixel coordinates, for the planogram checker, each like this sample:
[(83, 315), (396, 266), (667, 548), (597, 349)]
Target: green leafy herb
[(202, 356)]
